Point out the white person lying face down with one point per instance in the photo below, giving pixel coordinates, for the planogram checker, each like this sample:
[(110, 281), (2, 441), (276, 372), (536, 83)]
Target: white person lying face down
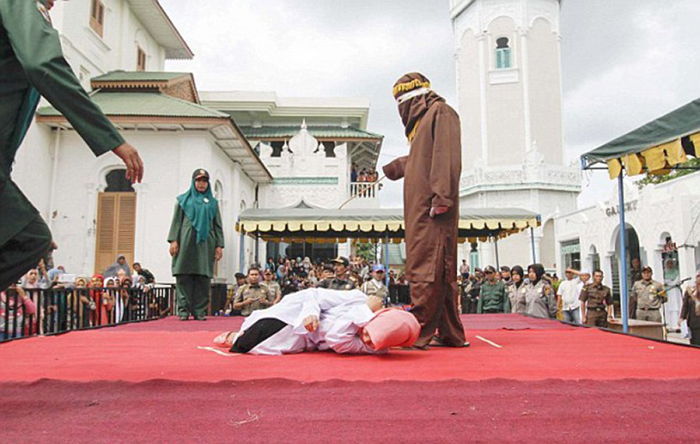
[(322, 319)]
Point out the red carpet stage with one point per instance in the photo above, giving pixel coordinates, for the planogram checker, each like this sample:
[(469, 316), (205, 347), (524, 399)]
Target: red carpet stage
[(522, 379)]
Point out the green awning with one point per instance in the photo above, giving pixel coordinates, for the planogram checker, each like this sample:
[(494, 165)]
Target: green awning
[(139, 76), (331, 225), (655, 147)]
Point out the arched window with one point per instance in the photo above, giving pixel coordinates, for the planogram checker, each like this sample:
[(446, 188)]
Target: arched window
[(116, 220), (117, 182), (503, 53)]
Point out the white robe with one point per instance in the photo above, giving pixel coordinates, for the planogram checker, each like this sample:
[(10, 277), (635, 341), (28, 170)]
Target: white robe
[(341, 315)]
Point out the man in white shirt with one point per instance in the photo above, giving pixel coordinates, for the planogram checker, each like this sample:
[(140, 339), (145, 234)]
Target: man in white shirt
[(323, 319), (567, 295)]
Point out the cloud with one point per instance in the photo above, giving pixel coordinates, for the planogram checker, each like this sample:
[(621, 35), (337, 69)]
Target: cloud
[(624, 62)]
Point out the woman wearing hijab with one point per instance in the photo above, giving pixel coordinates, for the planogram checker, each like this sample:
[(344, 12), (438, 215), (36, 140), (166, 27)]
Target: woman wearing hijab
[(539, 295), (516, 290), (196, 242), (119, 264), (690, 311)]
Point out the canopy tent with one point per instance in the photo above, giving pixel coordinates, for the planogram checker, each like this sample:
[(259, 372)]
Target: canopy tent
[(378, 224), (655, 148)]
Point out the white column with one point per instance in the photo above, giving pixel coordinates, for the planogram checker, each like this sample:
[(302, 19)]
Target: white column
[(686, 263), (483, 69), (90, 227), (607, 266), (142, 216), (526, 88)]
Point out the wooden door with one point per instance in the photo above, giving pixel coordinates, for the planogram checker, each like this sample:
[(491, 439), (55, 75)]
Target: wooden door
[(116, 226)]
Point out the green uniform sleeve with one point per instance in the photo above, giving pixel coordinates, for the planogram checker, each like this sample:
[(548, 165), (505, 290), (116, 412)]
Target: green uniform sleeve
[(583, 297), (218, 230), (38, 49), (176, 224), (479, 304)]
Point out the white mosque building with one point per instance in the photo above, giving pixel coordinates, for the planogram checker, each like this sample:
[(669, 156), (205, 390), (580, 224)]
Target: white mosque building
[(261, 151), (509, 92)]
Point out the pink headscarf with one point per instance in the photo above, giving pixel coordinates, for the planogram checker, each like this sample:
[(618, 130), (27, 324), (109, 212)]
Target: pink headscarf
[(391, 327)]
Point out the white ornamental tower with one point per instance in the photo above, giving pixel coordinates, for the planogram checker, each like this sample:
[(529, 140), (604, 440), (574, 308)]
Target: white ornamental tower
[(509, 89)]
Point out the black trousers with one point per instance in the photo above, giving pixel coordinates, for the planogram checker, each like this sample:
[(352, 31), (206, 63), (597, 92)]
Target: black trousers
[(258, 332), (22, 252)]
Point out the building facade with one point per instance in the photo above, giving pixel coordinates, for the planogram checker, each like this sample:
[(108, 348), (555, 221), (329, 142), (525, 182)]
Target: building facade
[(258, 148), (311, 147), (663, 232), (509, 90)]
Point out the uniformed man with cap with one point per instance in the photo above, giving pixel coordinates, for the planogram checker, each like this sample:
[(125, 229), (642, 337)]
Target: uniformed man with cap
[(597, 301), (647, 297), (272, 286), (253, 295), (342, 280), (31, 66), (376, 286)]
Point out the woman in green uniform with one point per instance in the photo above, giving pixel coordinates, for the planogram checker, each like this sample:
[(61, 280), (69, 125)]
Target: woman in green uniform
[(196, 241)]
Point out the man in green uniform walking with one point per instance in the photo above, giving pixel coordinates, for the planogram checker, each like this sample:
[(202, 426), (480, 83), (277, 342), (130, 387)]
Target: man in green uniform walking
[(31, 66), (493, 297), (196, 241)]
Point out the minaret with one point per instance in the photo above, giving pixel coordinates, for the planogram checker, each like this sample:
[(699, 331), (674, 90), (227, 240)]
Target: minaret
[(509, 89)]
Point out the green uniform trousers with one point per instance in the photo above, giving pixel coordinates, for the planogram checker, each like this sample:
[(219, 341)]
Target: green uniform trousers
[(192, 294), (597, 318), (23, 251)]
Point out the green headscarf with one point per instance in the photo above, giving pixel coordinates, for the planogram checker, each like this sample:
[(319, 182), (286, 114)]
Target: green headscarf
[(200, 208)]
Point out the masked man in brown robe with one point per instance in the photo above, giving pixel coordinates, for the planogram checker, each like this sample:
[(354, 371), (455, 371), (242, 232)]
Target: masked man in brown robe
[(431, 173)]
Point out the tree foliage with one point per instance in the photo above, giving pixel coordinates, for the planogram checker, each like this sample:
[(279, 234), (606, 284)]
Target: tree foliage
[(653, 179), (365, 251)]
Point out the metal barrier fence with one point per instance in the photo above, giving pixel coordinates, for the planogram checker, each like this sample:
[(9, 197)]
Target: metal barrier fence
[(31, 312)]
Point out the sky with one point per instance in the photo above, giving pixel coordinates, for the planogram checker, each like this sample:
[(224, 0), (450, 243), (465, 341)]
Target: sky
[(624, 62)]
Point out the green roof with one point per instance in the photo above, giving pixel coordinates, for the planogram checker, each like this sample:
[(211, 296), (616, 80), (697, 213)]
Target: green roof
[(150, 104), (139, 76), (678, 123), (319, 132)]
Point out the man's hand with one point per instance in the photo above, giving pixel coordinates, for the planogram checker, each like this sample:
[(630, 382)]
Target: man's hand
[(130, 156), (174, 248), (218, 253), (311, 323), (436, 211)]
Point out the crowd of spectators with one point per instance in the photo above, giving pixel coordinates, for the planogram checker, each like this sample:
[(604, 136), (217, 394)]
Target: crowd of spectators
[(49, 299), (266, 284), (508, 290)]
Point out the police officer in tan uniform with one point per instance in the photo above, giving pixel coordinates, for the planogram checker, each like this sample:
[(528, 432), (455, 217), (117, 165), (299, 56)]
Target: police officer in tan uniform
[(597, 301), (342, 280), (647, 297), (375, 286), (272, 286), (253, 295)]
